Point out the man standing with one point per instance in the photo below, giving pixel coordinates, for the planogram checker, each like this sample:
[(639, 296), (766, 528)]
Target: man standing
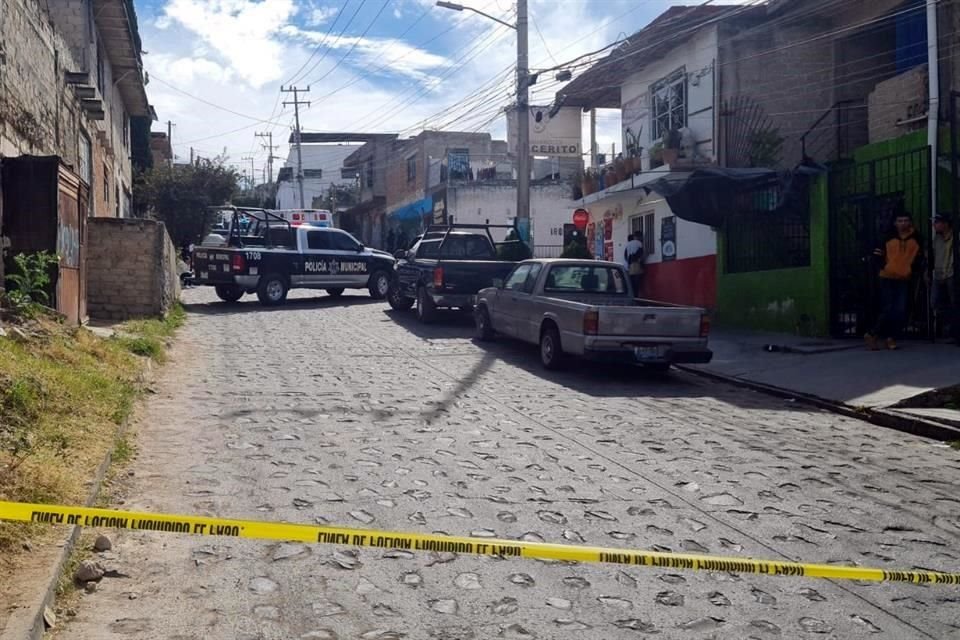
[(943, 297), (633, 258), (899, 254)]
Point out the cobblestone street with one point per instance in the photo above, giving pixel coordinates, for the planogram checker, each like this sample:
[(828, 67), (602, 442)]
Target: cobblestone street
[(343, 411)]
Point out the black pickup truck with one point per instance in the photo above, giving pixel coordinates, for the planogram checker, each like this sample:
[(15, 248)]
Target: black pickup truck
[(446, 267), (268, 256)]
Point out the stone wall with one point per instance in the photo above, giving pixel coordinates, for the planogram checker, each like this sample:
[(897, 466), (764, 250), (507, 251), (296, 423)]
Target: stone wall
[(131, 269), (38, 111)]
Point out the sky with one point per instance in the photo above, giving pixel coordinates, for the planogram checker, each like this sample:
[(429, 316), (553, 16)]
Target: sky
[(216, 67)]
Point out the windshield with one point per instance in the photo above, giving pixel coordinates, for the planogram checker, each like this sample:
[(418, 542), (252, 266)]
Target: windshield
[(586, 279)]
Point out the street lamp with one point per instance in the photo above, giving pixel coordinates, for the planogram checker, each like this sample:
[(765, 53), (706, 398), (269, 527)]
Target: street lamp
[(523, 117)]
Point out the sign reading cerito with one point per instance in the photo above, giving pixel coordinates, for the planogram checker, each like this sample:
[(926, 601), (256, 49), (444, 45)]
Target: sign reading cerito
[(333, 266), (558, 136)]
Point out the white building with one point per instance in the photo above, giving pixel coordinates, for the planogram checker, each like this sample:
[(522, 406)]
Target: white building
[(660, 85), (322, 164)]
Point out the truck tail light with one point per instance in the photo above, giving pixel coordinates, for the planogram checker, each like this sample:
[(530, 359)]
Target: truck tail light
[(438, 278), (591, 323), (704, 326), (238, 263)]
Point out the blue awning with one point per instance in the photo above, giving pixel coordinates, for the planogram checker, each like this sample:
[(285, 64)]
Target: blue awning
[(413, 210)]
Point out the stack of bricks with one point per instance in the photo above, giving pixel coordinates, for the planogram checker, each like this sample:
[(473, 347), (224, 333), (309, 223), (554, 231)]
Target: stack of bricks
[(131, 269)]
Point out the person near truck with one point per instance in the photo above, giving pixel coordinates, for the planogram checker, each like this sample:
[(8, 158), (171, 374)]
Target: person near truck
[(943, 295), (899, 255), (633, 259)]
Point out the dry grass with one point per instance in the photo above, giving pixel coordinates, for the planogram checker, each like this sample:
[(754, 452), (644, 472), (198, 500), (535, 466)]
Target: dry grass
[(63, 394)]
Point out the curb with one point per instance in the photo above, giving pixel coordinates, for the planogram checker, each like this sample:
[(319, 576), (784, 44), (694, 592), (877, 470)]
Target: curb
[(28, 621), (897, 421)]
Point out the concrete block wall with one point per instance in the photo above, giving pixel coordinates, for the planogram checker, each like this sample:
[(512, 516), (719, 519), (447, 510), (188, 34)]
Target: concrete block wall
[(131, 269), (39, 114), (898, 100)]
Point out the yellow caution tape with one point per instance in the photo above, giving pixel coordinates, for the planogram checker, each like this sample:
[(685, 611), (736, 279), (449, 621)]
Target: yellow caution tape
[(204, 526)]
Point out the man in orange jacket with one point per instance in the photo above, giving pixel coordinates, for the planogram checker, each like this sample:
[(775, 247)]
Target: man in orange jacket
[(899, 255)]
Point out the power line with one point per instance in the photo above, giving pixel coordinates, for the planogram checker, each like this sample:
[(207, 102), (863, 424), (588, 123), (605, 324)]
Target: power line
[(334, 43), (323, 40), (296, 110), (354, 45)]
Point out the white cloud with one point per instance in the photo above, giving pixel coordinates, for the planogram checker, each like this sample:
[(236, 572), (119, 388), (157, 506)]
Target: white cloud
[(235, 53), (381, 55), (320, 15), (243, 33)]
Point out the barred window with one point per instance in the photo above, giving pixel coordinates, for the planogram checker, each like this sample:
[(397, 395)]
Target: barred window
[(763, 234), (669, 103)]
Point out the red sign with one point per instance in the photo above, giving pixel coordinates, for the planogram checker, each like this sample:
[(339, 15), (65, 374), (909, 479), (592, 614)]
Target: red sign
[(580, 219)]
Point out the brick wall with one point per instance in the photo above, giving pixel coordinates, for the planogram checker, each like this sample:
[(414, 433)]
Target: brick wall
[(430, 145), (898, 100), (131, 269), (111, 141)]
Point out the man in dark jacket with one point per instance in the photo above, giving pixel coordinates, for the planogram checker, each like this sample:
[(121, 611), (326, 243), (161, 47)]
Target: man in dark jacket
[(899, 254)]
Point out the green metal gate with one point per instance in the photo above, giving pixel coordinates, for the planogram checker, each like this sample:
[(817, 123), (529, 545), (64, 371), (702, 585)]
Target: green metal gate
[(865, 198)]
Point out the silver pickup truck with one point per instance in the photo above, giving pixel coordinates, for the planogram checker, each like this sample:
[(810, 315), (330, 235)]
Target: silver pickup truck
[(586, 308)]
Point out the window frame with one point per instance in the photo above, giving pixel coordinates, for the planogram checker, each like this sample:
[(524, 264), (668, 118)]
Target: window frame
[(675, 115), (319, 234), (523, 283)]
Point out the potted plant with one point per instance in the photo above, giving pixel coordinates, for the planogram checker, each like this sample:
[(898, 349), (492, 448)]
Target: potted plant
[(634, 151), (656, 155), (620, 169), (589, 184), (671, 146), (577, 186)]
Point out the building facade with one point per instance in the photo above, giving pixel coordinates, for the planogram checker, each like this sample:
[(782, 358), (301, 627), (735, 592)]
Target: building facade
[(664, 85)]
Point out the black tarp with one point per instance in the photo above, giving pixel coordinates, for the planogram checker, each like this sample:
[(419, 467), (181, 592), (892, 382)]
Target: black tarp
[(707, 195)]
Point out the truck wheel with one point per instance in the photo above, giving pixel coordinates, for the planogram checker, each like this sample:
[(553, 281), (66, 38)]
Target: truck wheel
[(395, 297), (426, 309), (228, 292), (481, 319), (551, 351), (336, 292), (272, 290), (379, 285)]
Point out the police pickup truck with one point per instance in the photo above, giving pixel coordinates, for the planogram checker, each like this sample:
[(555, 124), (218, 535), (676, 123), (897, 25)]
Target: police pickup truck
[(269, 257)]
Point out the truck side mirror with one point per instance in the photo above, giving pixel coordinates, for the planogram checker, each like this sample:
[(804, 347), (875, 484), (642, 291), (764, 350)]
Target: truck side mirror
[(498, 283), (400, 255)]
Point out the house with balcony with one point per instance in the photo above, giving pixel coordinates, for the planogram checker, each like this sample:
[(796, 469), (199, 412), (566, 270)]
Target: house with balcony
[(663, 81)]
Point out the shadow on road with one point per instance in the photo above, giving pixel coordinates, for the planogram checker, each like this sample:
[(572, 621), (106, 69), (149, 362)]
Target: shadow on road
[(252, 305), (595, 379)]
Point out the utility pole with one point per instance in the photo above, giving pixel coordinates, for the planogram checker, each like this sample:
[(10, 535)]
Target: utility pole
[(191, 155), (523, 125), (269, 147), (523, 108), (170, 139), (296, 111)]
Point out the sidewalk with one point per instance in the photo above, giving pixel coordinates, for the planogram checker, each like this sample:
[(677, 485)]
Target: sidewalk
[(839, 371)]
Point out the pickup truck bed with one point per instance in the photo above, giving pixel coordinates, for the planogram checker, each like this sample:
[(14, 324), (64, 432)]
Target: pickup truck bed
[(446, 270)]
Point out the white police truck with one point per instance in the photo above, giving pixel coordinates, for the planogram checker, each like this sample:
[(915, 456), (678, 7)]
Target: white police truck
[(269, 256)]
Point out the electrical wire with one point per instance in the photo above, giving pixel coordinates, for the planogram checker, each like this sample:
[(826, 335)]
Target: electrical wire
[(354, 45), (333, 44), (320, 44)]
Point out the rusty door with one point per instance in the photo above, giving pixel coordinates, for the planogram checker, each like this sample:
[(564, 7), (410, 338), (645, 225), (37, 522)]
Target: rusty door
[(69, 234)]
